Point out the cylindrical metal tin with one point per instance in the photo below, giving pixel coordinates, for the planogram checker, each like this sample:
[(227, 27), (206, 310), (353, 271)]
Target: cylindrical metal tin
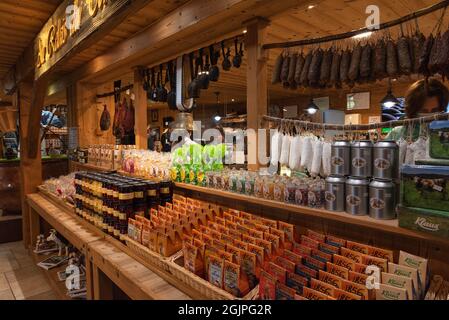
[(357, 196), (341, 158), (382, 200), (335, 193), (386, 157), (361, 158)]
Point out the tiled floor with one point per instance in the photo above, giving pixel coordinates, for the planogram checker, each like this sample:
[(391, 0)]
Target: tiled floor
[(20, 278)]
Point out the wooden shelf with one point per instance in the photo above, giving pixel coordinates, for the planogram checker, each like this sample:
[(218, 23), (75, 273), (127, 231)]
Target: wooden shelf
[(52, 276), (78, 166), (62, 222), (10, 218), (388, 226)]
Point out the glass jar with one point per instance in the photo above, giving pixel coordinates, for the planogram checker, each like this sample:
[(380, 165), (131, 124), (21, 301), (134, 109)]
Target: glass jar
[(301, 194), (278, 191), (258, 186), (268, 189), (290, 192)]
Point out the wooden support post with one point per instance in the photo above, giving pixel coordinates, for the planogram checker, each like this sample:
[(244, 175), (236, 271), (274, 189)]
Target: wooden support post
[(35, 225), (30, 167), (256, 89), (140, 106), (35, 113)]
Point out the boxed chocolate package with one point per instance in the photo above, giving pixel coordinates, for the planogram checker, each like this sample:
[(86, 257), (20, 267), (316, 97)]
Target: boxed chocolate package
[(425, 187), (429, 221), (439, 139)]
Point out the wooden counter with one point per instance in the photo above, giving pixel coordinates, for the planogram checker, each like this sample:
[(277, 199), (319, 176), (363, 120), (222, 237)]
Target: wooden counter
[(10, 201), (105, 262)]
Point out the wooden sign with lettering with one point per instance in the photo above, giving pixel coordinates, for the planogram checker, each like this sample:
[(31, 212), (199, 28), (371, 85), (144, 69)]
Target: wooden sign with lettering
[(71, 24)]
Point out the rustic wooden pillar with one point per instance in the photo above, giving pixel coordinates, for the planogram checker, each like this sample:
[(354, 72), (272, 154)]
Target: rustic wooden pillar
[(256, 78), (37, 103), (30, 167), (72, 99), (140, 105)]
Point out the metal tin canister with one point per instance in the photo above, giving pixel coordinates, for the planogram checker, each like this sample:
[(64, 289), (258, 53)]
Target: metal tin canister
[(382, 199), (361, 158), (357, 196), (335, 193), (341, 158), (386, 158)]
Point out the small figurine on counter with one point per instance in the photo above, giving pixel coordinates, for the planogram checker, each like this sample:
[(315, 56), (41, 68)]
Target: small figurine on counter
[(59, 243), (43, 246)]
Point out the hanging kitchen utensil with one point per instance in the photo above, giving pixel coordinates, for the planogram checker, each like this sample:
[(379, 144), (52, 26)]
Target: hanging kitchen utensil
[(105, 119), (188, 105), (204, 75), (154, 92), (171, 96), (226, 64), (193, 88), (237, 60), (161, 90), (214, 71)]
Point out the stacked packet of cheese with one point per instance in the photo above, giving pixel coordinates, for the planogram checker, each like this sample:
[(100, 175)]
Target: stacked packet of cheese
[(164, 231), (231, 249), (325, 267)]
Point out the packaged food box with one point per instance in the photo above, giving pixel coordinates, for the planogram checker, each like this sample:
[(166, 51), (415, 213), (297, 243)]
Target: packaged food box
[(432, 162), (439, 139), (425, 187), (430, 221)]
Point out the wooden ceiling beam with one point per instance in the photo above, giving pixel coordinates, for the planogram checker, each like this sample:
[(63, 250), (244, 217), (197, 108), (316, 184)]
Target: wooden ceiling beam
[(25, 65), (197, 20)]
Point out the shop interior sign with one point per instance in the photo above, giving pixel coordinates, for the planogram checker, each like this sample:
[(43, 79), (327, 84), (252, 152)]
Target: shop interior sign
[(72, 23), (357, 101)]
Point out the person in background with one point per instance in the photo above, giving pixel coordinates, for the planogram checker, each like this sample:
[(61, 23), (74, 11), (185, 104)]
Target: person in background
[(151, 138), (423, 98)]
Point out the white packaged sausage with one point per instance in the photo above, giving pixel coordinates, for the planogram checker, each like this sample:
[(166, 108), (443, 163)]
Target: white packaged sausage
[(316, 160), (285, 149), (276, 144), (295, 153)]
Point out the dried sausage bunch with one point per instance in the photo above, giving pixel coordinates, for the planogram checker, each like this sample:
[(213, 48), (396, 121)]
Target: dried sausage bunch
[(365, 62)]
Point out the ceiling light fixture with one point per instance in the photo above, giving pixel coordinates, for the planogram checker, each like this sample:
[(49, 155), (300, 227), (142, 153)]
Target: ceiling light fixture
[(312, 108), (363, 35), (311, 6), (389, 101)]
